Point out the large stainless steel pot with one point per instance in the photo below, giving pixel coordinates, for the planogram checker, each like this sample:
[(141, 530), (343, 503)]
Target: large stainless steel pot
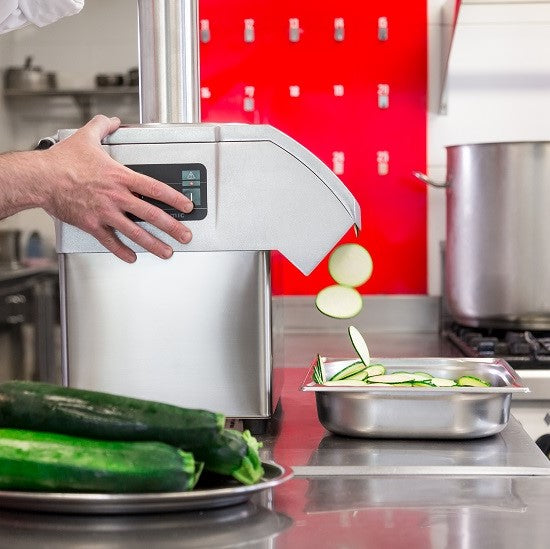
[(497, 260)]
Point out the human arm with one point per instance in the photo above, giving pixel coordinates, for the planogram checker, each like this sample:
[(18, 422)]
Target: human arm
[(20, 13), (77, 182)]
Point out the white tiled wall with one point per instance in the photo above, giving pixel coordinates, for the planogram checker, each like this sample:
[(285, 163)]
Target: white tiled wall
[(493, 94)]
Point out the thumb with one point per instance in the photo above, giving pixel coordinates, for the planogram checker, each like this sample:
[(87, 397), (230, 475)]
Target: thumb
[(100, 126)]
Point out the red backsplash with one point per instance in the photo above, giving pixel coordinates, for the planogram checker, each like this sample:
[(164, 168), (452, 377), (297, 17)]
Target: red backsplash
[(325, 93)]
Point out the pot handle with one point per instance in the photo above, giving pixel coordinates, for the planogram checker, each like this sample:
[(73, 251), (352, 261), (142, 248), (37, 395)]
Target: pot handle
[(425, 179)]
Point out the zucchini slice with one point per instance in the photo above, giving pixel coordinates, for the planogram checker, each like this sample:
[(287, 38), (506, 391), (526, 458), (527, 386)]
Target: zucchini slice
[(442, 382), (319, 376), (471, 381), (339, 301), (359, 345), (345, 383), (400, 377), (375, 370), (422, 376), (361, 376), (350, 265), (352, 369)]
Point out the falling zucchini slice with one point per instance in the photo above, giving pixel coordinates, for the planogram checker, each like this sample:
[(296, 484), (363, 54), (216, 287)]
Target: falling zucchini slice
[(339, 301), (350, 265), (359, 345)]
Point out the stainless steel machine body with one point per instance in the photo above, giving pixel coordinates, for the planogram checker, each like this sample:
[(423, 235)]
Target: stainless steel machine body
[(199, 329)]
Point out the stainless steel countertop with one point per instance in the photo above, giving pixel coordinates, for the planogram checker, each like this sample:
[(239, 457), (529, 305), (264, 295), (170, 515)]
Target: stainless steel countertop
[(348, 493)]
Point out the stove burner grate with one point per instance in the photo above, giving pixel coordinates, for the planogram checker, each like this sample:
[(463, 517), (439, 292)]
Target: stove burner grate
[(521, 349)]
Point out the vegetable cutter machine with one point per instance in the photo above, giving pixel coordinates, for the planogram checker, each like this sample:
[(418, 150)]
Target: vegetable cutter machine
[(200, 329)]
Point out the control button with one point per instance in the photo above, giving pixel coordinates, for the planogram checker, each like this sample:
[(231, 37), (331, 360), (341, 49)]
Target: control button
[(190, 175), (194, 195)]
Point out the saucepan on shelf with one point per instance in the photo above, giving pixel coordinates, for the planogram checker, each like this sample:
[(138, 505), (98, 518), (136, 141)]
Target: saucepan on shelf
[(29, 77)]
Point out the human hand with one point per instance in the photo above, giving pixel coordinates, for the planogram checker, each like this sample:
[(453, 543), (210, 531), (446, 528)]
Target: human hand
[(90, 190)]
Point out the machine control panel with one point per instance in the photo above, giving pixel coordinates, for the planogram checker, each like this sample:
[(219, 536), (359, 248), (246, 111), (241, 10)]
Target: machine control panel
[(188, 179)]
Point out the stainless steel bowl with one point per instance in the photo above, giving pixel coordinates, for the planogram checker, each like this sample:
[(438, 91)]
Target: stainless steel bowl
[(418, 412)]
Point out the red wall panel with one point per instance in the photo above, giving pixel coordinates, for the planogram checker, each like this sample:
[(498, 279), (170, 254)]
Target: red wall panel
[(393, 203)]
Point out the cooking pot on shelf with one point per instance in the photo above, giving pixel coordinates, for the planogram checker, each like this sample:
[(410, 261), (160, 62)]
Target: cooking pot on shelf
[(29, 77), (497, 260)]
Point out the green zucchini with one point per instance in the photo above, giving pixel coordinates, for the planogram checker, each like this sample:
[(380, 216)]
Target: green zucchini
[(51, 408), (37, 461), (231, 453), (91, 414)]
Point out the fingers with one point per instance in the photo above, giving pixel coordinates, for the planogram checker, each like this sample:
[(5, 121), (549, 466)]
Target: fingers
[(100, 126), (147, 186), (143, 238), (160, 219), (108, 238)]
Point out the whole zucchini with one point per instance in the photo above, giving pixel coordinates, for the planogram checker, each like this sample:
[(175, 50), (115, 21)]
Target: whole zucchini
[(51, 408), (231, 453), (36, 461), (55, 409)]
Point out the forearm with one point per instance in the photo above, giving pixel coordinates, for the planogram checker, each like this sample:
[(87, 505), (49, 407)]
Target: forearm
[(23, 181)]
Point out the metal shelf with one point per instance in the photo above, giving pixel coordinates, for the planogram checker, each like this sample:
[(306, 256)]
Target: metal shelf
[(83, 97)]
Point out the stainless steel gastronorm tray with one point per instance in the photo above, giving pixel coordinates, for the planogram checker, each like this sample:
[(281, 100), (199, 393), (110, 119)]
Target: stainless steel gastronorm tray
[(115, 504), (418, 412)]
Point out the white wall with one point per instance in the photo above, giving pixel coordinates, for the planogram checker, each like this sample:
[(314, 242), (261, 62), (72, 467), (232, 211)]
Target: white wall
[(101, 39), (498, 90)]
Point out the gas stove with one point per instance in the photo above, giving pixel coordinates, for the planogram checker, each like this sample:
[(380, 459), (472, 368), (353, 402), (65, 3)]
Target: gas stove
[(528, 352), (521, 349)]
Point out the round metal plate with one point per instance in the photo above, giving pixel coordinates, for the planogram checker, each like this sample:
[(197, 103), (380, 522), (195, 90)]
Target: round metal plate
[(88, 503)]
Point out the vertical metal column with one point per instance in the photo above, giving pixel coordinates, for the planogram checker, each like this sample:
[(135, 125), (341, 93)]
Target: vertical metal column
[(168, 61)]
